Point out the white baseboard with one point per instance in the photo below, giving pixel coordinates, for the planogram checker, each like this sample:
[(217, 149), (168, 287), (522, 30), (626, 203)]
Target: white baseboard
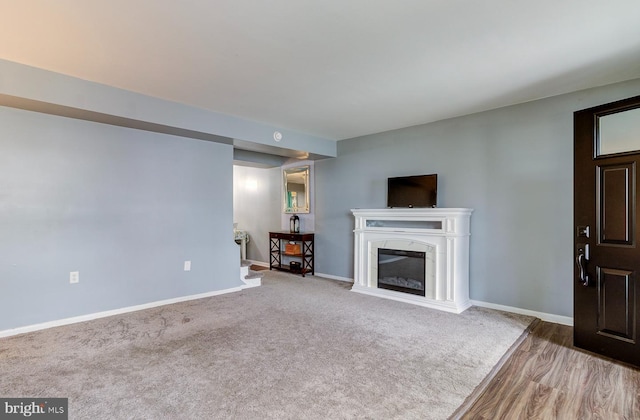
[(329, 276), (558, 319), (97, 315), (326, 276)]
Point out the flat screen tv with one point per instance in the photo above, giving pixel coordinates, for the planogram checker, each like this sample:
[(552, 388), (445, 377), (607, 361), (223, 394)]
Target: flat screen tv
[(413, 191)]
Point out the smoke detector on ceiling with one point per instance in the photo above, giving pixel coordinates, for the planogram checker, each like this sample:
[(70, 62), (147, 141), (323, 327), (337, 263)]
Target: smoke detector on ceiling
[(277, 136)]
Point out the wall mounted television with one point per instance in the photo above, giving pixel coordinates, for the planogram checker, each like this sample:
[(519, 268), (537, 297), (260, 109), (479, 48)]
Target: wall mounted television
[(413, 191)]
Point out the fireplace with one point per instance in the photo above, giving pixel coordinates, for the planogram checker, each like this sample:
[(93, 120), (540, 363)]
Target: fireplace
[(418, 256), (402, 271)]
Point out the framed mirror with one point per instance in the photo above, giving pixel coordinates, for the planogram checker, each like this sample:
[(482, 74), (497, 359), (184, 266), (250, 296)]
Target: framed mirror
[(296, 189)]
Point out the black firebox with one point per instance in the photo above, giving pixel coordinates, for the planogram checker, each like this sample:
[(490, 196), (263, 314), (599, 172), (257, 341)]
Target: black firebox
[(402, 271)]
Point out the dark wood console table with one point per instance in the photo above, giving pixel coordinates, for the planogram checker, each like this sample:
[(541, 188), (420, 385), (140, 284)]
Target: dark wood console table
[(289, 250)]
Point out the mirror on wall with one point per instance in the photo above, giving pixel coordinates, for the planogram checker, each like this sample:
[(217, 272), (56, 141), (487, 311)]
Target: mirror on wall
[(296, 189)]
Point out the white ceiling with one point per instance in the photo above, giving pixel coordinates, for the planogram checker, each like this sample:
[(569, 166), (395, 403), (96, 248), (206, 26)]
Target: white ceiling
[(331, 68)]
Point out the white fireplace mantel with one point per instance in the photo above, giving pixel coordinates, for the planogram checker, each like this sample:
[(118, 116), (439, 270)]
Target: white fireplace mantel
[(442, 233)]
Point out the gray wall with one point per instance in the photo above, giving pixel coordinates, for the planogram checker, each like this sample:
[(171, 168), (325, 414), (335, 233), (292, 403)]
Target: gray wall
[(513, 165), (123, 207), (257, 206)]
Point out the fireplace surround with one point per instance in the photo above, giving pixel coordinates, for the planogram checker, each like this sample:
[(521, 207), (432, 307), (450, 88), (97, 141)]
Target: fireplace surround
[(440, 234)]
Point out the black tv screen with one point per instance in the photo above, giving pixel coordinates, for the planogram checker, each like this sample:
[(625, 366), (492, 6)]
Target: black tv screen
[(413, 191)]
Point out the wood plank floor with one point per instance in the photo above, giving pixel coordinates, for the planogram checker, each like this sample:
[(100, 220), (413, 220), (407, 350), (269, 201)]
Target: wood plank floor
[(547, 378)]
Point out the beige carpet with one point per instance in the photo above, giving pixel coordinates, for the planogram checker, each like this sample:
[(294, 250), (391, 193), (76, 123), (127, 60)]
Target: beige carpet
[(294, 348)]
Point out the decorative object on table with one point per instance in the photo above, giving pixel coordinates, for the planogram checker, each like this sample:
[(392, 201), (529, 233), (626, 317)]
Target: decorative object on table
[(292, 248), (294, 224), (295, 267)]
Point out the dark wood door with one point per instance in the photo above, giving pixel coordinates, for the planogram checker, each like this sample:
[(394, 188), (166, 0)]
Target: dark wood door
[(606, 249)]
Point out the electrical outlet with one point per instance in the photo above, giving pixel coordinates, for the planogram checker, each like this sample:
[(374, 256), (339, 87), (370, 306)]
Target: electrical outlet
[(74, 277), (187, 266)]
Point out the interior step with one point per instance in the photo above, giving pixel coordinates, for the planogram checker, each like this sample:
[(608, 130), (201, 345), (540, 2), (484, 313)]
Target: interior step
[(254, 275), (249, 277)]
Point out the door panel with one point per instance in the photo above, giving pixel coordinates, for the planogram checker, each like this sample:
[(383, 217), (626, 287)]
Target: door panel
[(607, 256), (616, 203), (615, 303)]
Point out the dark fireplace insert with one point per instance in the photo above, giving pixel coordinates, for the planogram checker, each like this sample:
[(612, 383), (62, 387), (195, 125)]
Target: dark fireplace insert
[(401, 271)]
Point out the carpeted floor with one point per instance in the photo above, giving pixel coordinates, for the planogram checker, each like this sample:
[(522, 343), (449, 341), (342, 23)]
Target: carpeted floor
[(294, 348)]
